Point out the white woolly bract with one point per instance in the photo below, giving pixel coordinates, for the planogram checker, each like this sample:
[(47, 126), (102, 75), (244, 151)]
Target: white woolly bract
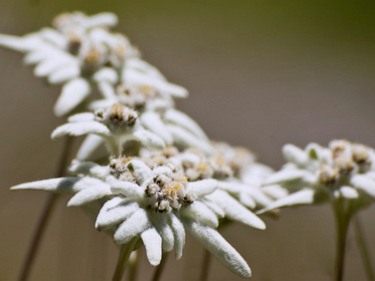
[(90, 194), (201, 213), (131, 227), (220, 248), (235, 211), (67, 184), (301, 197), (152, 241), (81, 128)]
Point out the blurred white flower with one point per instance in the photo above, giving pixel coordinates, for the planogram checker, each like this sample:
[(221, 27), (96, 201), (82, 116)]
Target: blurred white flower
[(155, 204), (342, 171), (85, 56)]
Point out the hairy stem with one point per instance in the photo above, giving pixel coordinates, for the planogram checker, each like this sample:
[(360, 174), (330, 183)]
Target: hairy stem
[(363, 249), (45, 216), (205, 266), (123, 258), (158, 271)]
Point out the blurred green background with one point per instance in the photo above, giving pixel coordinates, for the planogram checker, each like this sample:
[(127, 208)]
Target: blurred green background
[(260, 74)]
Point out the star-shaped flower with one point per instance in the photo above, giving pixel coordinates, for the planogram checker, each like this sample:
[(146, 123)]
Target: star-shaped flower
[(154, 204), (341, 171), (118, 124), (233, 198)]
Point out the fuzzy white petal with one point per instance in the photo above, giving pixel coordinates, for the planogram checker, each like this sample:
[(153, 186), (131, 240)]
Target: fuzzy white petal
[(183, 120), (72, 94), (102, 103), (165, 231), (41, 53), (58, 184), (294, 154), (232, 186), (200, 212), (54, 37), (89, 168), (346, 192), (50, 65), (220, 248), (247, 201), (364, 183), (136, 77), (81, 117), (133, 226), (235, 211), (89, 146), (21, 44), (110, 215), (275, 191), (179, 234), (149, 139), (202, 188), (258, 195), (285, 176), (128, 189), (137, 64), (214, 207), (104, 19), (64, 74), (185, 138), (90, 194), (107, 90), (152, 241), (153, 122), (79, 129), (304, 196), (106, 74), (142, 172)]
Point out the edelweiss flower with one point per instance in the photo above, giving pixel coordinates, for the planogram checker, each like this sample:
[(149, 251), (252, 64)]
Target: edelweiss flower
[(118, 124), (245, 181), (228, 200), (154, 204), (82, 53), (343, 171)]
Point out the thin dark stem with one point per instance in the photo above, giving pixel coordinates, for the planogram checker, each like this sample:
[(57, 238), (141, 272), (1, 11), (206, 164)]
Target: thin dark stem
[(123, 259), (342, 224), (45, 216), (363, 249), (158, 271), (205, 266)]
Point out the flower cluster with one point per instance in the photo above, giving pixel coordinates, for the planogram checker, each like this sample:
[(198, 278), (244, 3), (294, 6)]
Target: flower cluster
[(162, 175), (82, 53), (341, 171)]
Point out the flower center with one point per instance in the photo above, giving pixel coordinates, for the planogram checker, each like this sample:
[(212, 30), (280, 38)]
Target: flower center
[(347, 158), (117, 117), (167, 192)]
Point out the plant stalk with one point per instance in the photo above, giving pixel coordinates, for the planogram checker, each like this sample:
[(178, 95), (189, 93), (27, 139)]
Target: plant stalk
[(363, 249), (342, 219), (133, 266), (158, 271), (45, 216), (205, 266), (123, 258)]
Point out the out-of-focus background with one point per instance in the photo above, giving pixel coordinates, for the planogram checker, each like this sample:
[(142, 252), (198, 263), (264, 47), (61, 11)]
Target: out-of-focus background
[(260, 73)]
